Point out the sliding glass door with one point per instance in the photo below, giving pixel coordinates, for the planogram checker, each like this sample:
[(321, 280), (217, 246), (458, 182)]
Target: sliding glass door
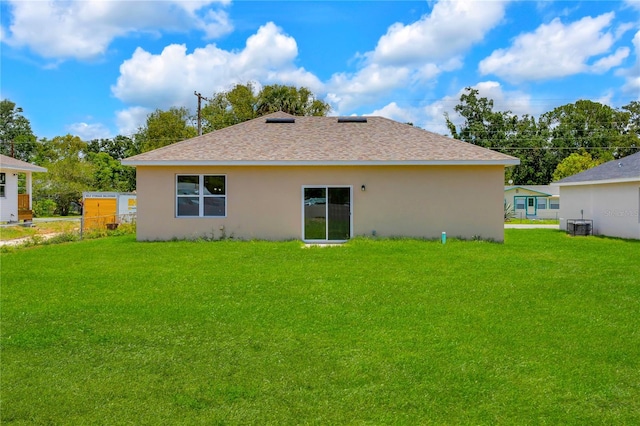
[(327, 213)]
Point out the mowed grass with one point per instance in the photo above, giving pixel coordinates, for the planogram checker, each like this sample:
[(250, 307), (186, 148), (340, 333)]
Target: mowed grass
[(544, 329)]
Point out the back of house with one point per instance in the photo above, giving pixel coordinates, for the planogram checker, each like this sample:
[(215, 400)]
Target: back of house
[(320, 179)]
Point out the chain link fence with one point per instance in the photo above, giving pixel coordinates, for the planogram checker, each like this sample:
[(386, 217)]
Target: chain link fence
[(64, 229)]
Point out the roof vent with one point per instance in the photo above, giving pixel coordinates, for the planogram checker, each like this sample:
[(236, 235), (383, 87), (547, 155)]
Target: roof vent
[(352, 119), (280, 120)]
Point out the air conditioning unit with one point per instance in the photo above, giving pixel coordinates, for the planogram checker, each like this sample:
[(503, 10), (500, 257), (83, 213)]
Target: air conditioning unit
[(580, 226)]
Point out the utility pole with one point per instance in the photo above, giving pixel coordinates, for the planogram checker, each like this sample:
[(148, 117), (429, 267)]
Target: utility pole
[(200, 98)]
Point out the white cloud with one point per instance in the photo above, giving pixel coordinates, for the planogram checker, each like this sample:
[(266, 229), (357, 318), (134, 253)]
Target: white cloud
[(88, 132), (605, 64), (394, 112), (635, 4), (351, 91), (417, 53), (515, 101), (605, 99), (450, 29), (169, 79), (431, 116), (131, 119), (84, 29), (556, 50), (632, 75)]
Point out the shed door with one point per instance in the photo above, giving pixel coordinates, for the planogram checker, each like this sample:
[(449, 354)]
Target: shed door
[(98, 212), (326, 213)]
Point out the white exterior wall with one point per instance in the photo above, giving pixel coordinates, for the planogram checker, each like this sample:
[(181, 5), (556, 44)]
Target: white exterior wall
[(614, 207), (9, 203)]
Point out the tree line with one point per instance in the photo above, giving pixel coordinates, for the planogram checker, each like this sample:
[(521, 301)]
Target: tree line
[(567, 140), (561, 142)]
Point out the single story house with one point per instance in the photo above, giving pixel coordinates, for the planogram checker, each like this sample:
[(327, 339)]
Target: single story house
[(608, 194), (15, 206), (533, 201), (319, 179)]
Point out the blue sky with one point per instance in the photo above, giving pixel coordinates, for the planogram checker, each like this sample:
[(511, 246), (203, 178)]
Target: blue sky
[(97, 68)]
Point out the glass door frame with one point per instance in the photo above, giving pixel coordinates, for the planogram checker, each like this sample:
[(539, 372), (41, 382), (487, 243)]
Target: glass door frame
[(326, 188)]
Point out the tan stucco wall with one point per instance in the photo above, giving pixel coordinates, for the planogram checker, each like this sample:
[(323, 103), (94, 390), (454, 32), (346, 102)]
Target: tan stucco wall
[(266, 202), (612, 207)]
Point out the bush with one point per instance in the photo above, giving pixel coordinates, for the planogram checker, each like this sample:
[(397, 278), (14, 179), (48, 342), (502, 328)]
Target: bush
[(509, 212), (44, 208)]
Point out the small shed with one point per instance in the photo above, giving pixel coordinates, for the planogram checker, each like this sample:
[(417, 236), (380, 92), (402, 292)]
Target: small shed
[(107, 209)]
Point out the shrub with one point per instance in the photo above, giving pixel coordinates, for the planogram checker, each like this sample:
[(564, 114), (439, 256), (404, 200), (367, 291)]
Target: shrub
[(44, 208), (509, 212)]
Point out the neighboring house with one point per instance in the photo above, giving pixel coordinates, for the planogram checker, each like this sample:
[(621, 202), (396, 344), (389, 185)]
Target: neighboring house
[(608, 194), (320, 179), (14, 206), (533, 201)]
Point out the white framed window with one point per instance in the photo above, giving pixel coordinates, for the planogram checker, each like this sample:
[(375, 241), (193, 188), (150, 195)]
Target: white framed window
[(541, 204), (3, 182), (554, 204), (201, 196), (520, 203)]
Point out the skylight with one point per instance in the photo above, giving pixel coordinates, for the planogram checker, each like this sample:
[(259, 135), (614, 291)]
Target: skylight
[(352, 119), (280, 120)]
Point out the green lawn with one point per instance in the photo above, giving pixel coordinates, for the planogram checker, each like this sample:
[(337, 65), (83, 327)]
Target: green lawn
[(533, 221), (543, 329)]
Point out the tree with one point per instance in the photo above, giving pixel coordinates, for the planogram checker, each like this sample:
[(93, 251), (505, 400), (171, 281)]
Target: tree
[(505, 132), (575, 163), (541, 145), (110, 174), (16, 137), (289, 99), (118, 148), (228, 108), (482, 125), (163, 128), (632, 134), (69, 173), (241, 104), (529, 142), (633, 109), (588, 125)]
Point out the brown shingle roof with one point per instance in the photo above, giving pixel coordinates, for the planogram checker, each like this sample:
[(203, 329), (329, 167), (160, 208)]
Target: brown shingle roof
[(13, 164), (320, 141)]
